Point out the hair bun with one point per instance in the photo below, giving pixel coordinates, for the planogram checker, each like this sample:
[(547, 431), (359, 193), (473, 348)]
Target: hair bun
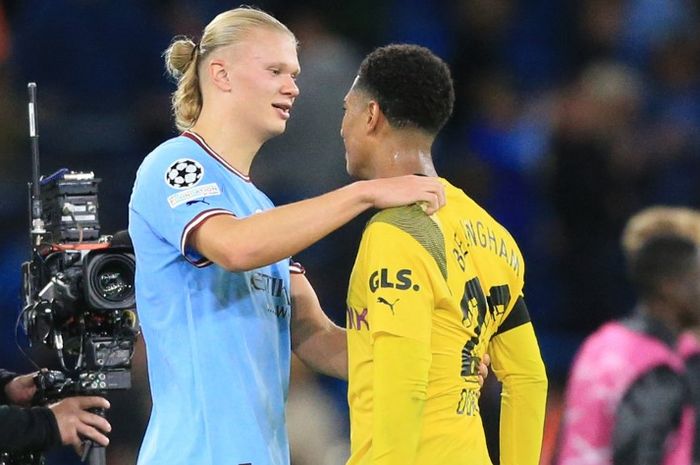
[(179, 56)]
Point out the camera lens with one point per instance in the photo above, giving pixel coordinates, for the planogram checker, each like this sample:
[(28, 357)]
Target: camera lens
[(110, 281)]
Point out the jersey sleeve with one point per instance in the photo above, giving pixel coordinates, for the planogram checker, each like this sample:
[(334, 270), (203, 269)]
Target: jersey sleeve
[(508, 298), (177, 188), (401, 367), (28, 429), (400, 273), (403, 268), (296, 267), (517, 363)]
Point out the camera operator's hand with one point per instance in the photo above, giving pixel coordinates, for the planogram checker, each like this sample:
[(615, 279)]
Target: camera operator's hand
[(76, 424), (21, 389)]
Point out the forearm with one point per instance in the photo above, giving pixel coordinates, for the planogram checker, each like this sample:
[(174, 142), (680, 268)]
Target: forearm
[(518, 365), (24, 429), (266, 237), (401, 368), (316, 340), (326, 351), (523, 401), (269, 236)]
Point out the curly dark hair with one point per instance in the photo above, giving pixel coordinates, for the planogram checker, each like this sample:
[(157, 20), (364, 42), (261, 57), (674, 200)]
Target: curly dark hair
[(412, 85)]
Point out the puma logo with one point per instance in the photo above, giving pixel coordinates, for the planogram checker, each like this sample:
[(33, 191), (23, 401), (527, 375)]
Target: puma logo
[(382, 300), (192, 202)]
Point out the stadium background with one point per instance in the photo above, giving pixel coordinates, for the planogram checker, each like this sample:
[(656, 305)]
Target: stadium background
[(570, 116)]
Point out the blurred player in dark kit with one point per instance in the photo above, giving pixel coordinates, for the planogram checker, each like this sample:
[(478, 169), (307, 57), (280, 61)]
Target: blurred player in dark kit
[(627, 400)]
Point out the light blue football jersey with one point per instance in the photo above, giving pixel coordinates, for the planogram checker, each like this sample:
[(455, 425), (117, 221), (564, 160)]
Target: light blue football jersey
[(218, 343)]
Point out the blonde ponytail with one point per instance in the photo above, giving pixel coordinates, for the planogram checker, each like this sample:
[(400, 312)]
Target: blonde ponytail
[(181, 60)]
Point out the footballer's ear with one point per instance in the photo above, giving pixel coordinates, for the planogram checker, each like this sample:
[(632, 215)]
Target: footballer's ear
[(375, 116), (218, 73)]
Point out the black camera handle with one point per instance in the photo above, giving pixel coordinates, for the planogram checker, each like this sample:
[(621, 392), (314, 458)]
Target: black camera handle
[(53, 385), (93, 452)]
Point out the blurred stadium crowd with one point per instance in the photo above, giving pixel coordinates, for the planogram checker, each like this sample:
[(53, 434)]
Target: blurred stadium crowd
[(570, 117)]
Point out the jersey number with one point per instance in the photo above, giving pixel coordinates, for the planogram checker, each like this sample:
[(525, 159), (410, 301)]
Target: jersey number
[(495, 302)]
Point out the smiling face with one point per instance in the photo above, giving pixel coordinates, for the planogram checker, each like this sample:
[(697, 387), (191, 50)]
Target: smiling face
[(262, 69)]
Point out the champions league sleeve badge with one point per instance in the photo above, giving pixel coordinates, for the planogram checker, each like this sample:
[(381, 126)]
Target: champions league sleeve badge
[(184, 173)]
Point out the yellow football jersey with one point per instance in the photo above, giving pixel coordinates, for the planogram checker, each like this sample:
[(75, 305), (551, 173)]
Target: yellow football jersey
[(428, 296)]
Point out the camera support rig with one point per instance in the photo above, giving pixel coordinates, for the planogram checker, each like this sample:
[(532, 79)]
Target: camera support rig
[(78, 290)]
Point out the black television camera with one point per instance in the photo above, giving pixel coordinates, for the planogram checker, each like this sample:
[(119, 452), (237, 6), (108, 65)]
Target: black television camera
[(77, 290)]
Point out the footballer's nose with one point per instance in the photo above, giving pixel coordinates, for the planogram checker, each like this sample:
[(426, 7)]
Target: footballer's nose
[(290, 88)]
